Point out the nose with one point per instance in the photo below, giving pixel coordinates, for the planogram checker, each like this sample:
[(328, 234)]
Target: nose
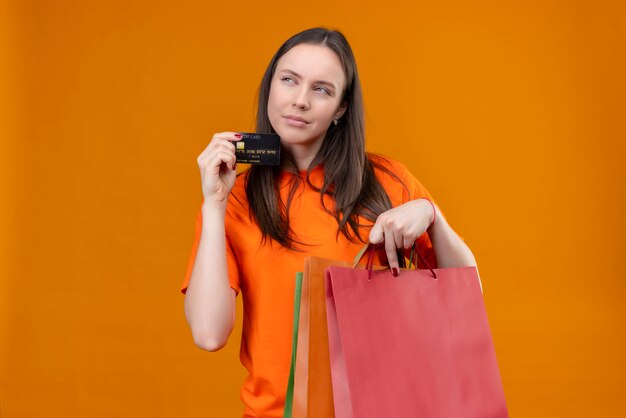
[(300, 99)]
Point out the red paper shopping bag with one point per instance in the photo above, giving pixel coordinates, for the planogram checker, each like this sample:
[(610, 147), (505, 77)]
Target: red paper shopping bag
[(416, 345)]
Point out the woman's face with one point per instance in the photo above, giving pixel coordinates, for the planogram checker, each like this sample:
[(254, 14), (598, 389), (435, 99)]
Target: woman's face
[(308, 83)]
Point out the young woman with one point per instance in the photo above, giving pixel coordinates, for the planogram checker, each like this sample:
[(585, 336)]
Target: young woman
[(327, 198)]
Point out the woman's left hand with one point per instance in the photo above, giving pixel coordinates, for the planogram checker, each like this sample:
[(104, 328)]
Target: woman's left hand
[(400, 227)]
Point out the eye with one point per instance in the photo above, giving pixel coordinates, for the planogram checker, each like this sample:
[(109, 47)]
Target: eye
[(324, 90), (286, 78)]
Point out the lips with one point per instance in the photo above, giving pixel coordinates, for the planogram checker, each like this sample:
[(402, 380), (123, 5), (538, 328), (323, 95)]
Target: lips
[(296, 118)]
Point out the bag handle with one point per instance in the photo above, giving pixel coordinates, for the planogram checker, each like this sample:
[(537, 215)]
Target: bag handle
[(370, 258)]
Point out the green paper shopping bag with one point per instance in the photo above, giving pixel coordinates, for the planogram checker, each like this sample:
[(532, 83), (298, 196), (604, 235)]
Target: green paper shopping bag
[(296, 317)]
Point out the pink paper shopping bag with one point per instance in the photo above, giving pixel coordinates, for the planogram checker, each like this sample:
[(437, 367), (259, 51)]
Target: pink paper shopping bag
[(416, 345)]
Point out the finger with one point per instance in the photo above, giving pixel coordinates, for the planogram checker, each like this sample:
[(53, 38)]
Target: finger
[(222, 157), (390, 250), (220, 146), (408, 243), (230, 159), (225, 145), (398, 239), (220, 138), (229, 136), (217, 143), (376, 233)]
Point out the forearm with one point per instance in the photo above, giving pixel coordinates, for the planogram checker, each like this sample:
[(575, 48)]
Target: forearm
[(450, 250), (209, 301)]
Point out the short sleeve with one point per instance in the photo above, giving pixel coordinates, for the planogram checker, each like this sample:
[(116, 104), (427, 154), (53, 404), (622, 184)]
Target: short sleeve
[(231, 261), (416, 190)]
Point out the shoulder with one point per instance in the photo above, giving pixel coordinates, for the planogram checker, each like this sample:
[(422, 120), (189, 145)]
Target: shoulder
[(399, 183), (388, 169)]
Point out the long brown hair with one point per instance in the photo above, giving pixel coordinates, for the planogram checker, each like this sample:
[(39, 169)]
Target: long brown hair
[(348, 171)]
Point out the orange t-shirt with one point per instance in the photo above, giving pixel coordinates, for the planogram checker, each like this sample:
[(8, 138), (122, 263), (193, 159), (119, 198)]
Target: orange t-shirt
[(266, 274)]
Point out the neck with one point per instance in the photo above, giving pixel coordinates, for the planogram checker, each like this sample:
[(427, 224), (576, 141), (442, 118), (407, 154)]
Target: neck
[(304, 154)]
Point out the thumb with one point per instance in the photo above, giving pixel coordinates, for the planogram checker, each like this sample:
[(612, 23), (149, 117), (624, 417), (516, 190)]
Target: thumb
[(376, 234)]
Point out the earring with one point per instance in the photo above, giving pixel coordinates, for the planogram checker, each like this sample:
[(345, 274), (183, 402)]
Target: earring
[(335, 121)]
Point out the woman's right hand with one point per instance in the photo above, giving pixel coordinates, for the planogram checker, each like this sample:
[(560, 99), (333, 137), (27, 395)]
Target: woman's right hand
[(218, 168)]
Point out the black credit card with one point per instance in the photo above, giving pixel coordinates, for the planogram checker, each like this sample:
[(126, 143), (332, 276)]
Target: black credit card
[(255, 148)]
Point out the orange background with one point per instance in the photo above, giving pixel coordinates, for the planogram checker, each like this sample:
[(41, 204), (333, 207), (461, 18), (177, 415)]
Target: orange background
[(511, 114)]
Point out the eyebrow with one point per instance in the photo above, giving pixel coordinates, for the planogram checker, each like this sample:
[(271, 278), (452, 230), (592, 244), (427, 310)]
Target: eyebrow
[(326, 83)]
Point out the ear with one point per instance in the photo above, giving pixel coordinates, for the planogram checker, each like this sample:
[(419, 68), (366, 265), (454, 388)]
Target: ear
[(341, 110)]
